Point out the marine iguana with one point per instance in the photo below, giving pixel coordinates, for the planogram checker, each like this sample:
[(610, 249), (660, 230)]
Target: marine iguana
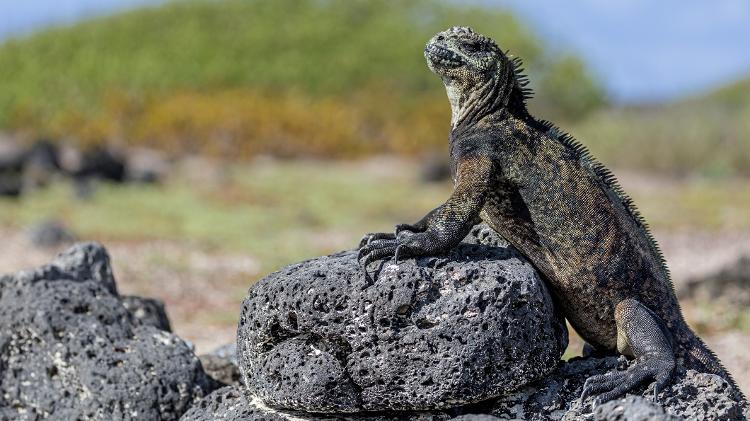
[(547, 196)]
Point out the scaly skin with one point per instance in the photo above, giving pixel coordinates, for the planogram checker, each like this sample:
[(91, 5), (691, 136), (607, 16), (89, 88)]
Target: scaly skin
[(564, 211)]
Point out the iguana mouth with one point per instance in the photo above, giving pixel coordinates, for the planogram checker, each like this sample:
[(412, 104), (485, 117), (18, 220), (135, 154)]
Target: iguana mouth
[(437, 54)]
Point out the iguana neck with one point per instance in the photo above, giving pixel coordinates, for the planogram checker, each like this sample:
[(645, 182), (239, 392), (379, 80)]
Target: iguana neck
[(470, 105)]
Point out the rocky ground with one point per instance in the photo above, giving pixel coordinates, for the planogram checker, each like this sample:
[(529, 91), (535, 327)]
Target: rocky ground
[(469, 336), (194, 278)]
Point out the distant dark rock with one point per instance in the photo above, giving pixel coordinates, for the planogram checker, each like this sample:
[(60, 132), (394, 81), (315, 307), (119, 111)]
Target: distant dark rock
[(430, 333), (96, 165), (149, 311), (11, 185), (41, 165), (50, 234), (145, 166), (435, 169), (12, 158), (45, 154), (101, 163), (228, 351), (223, 370), (730, 284), (70, 350)]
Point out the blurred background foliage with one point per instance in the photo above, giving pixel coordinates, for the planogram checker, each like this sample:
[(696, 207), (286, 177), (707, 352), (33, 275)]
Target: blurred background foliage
[(324, 78), (238, 78)]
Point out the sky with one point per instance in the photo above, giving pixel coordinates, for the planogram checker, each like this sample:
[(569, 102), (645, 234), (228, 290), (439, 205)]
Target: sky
[(22, 16), (641, 50), (645, 50)]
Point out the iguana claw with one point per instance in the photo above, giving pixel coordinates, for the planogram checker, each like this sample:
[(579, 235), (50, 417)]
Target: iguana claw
[(376, 250), (615, 384), (368, 238)]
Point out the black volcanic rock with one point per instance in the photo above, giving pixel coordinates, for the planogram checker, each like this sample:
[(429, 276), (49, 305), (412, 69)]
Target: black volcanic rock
[(232, 404), (691, 396), (69, 349), (429, 333)]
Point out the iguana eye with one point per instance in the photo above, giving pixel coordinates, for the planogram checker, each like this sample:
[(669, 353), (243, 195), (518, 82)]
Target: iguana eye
[(471, 47)]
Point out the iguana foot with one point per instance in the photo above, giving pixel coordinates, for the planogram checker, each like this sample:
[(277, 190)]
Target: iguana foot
[(615, 384), (641, 334)]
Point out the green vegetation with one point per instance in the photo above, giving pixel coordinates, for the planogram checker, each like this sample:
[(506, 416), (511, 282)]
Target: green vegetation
[(330, 79), (243, 77), (707, 135)]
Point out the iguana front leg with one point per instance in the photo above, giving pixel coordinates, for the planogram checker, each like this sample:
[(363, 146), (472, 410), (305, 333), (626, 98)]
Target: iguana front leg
[(640, 334), (444, 227)]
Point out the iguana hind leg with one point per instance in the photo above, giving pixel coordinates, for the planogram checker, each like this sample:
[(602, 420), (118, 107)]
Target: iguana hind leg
[(640, 334)]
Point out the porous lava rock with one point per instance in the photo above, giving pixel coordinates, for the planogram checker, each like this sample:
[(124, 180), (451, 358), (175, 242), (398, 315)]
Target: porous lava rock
[(426, 333), (632, 408), (692, 396), (70, 350)]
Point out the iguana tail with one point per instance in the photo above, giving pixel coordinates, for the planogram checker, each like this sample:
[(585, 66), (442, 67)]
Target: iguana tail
[(698, 356)]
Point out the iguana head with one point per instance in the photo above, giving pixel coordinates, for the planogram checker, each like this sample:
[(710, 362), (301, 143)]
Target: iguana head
[(478, 77)]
